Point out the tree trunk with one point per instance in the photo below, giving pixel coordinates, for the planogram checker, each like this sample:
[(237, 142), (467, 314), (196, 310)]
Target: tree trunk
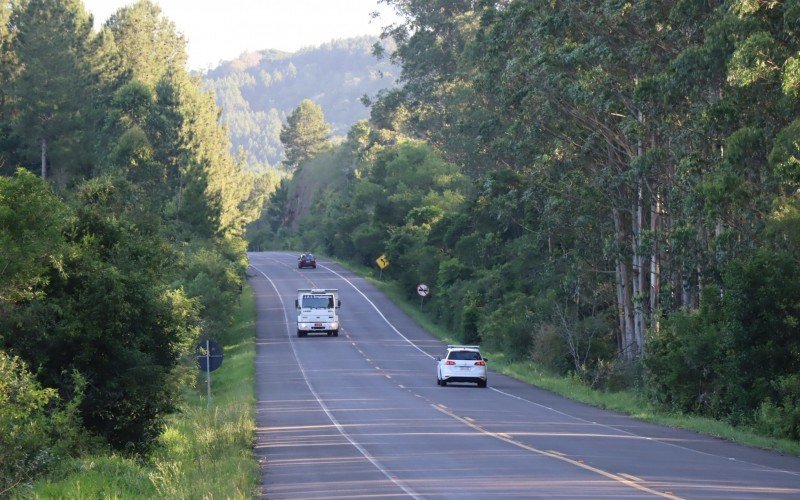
[(686, 291), (655, 264), (621, 339), (629, 348), (638, 270), (638, 266), (44, 158)]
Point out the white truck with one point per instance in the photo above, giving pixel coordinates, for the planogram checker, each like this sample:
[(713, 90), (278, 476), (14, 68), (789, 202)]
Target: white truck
[(317, 311)]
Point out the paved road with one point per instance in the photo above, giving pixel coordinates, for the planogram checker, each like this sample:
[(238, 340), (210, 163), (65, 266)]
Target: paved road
[(360, 415)]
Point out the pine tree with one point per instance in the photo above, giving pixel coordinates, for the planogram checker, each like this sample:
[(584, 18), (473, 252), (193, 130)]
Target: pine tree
[(305, 133), (52, 44), (8, 68), (148, 42)]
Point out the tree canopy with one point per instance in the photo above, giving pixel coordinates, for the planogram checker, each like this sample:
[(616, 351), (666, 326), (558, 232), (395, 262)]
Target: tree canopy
[(305, 133), (127, 246), (628, 194)]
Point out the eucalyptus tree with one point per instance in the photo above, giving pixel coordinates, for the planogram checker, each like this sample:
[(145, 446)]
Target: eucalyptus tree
[(434, 44), (553, 91), (8, 66), (735, 215), (538, 86)]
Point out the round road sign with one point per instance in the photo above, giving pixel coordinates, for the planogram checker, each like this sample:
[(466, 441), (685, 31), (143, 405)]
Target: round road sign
[(209, 355), (423, 290)]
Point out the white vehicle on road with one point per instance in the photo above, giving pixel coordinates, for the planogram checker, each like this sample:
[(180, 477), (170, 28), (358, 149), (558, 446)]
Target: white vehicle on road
[(462, 363), (317, 311)]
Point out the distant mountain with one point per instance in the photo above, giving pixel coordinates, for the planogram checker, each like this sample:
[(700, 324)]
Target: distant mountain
[(259, 89)]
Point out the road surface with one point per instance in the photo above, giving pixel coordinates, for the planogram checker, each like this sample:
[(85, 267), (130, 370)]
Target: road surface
[(360, 415)]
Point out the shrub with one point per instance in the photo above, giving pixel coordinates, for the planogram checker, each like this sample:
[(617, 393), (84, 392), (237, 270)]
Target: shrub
[(762, 319), (508, 328), (216, 282), (781, 419), (470, 318), (736, 357), (549, 348), (683, 361), (110, 317), (37, 431)]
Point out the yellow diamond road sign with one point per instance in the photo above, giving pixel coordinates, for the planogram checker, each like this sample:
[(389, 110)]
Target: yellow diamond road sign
[(382, 262)]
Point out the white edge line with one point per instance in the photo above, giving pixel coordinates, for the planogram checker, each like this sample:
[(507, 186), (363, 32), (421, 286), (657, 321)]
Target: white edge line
[(324, 407), (378, 311)]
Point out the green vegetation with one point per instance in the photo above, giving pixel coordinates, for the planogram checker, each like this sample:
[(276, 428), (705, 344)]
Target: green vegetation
[(305, 134), (258, 91), (603, 191), (124, 251), (202, 451), (628, 401), (606, 190)]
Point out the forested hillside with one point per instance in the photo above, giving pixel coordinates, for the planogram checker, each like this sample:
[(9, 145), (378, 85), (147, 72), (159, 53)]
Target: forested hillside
[(607, 189), (258, 90), (121, 232)]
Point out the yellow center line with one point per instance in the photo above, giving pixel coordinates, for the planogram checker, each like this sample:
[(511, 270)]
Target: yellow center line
[(616, 477)]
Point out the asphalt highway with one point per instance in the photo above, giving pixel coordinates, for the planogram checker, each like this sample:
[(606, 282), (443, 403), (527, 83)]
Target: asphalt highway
[(360, 416)]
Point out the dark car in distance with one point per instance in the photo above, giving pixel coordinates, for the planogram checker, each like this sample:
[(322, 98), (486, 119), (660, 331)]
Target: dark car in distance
[(306, 260)]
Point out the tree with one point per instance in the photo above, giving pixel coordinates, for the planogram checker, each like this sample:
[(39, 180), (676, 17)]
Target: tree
[(52, 43), (305, 133), (8, 69), (31, 223), (149, 43), (105, 290), (112, 316), (208, 189)]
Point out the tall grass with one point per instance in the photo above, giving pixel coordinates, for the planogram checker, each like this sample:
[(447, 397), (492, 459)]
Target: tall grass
[(205, 452)]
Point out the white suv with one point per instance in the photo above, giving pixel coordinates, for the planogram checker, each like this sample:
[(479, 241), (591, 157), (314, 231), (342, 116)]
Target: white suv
[(461, 363)]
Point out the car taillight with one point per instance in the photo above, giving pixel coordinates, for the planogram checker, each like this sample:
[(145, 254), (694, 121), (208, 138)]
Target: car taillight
[(480, 363), (448, 362)]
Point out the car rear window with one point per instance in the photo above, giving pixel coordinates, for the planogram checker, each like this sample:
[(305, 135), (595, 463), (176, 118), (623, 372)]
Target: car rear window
[(464, 356)]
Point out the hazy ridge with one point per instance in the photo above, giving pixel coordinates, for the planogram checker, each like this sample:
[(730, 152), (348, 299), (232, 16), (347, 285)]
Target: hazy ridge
[(258, 89)]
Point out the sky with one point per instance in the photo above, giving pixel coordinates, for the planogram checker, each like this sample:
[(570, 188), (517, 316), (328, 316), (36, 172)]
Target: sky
[(221, 30)]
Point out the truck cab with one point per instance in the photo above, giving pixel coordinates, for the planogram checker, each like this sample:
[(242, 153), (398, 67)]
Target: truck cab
[(317, 311)]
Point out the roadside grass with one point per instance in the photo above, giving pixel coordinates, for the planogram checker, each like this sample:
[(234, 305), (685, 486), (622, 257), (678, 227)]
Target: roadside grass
[(629, 402), (203, 453)]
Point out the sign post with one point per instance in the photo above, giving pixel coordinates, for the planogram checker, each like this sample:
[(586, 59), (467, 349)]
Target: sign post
[(209, 357), (383, 263), (423, 291)]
